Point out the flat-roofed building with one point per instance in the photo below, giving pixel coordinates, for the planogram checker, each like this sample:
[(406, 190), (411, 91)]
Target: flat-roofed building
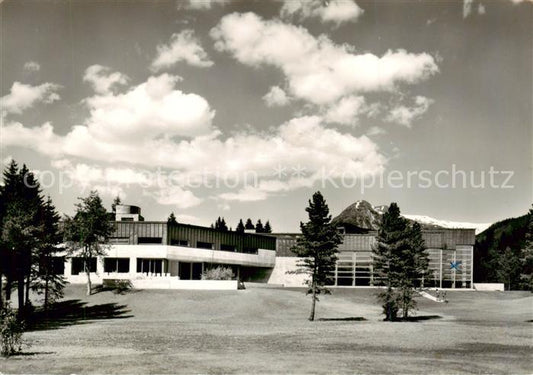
[(159, 251), (450, 253)]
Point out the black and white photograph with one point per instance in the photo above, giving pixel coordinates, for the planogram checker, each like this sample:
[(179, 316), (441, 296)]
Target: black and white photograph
[(266, 187)]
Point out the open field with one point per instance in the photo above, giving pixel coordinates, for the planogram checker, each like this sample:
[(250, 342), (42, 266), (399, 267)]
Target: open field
[(266, 331)]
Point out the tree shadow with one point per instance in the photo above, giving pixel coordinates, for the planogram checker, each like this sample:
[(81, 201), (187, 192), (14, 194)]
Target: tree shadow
[(419, 318), (29, 354), (70, 312), (348, 319)]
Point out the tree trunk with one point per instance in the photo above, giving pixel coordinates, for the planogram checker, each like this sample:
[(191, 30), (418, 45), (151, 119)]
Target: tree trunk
[(8, 287), (27, 299), (46, 283), (1, 289), (313, 303), (88, 272), (20, 289)]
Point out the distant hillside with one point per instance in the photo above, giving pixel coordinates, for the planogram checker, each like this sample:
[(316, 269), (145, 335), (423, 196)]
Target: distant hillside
[(506, 233)]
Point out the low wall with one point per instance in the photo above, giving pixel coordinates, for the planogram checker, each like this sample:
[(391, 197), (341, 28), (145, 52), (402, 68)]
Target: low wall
[(491, 287)]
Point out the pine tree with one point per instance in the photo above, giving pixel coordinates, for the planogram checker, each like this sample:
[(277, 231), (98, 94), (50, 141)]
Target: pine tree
[(116, 202), (220, 224), (259, 227), (249, 225), (526, 276), (400, 260), (51, 282), (268, 228), (172, 219), (87, 232), (318, 249), (240, 227)]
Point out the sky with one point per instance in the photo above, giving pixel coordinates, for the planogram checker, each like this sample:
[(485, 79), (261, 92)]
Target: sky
[(246, 108)]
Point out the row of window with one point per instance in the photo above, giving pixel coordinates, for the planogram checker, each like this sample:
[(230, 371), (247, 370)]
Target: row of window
[(184, 243)]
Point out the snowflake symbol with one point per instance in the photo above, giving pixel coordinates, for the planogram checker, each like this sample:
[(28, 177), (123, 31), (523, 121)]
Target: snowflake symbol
[(280, 171), (298, 171)]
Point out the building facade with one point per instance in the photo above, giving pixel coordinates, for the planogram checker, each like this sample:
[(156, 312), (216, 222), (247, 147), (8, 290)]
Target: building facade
[(450, 253), (164, 255)]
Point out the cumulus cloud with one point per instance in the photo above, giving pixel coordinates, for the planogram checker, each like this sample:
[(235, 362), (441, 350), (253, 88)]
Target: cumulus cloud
[(276, 97), (375, 130), (334, 11), (23, 96), (151, 109), (175, 196), (347, 110), (203, 4), (467, 7), (102, 79), (334, 152), (181, 47), (405, 115), (316, 69), (32, 66)]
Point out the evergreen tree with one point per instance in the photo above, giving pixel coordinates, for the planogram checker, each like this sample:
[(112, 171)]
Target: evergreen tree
[(220, 224), (172, 219), (21, 201), (249, 225), (240, 227), (115, 203), (259, 227), (87, 232), (318, 249), (51, 282), (268, 228), (507, 266), (526, 276), (400, 260)]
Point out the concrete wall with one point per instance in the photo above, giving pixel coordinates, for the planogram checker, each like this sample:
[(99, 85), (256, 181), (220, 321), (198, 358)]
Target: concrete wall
[(494, 287), (280, 276)]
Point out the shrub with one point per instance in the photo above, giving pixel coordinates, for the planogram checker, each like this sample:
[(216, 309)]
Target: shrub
[(11, 330), (118, 286), (218, 273)]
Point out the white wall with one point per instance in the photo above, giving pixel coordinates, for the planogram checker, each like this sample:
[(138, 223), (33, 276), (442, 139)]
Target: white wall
[(280, 276)]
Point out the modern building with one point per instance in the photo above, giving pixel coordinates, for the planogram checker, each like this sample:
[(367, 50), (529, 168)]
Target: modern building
[(450, 254), (154, 254)]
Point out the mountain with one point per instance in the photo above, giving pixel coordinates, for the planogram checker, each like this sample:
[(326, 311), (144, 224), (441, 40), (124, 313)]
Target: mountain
[(427, 220), (361, 216)]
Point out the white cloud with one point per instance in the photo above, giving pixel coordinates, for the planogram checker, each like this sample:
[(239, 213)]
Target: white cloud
[(405, 115), (276, 97), (204, 4), (316, 69), (481, 9), (346, 111), (375, 130), (182, 47), (151, 109), (467, 7), (102, 80), (334, 11), (175, 196), (24, 96), (32, 66)]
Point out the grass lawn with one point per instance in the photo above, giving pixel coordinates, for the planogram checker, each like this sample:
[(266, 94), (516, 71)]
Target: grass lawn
[(266, 331)]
